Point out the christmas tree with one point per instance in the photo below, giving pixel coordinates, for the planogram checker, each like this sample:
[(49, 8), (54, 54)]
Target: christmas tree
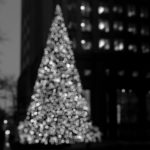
[(58, 112)]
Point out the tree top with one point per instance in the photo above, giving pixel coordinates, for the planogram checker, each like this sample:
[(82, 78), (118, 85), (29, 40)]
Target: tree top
[(58, 10)]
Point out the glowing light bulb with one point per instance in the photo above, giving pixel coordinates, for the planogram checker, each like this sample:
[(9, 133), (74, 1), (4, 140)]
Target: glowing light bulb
[(123, 90), (101, 43), (82, 7), (7, 132), (83, 42), (82, 24), (5, 121), (101, 26), (101, 10)]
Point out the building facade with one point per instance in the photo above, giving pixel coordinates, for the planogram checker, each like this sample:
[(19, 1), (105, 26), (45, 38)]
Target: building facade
[(111, 42)]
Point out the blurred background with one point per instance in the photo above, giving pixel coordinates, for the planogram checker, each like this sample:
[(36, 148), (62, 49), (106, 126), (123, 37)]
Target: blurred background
[(111, 44)]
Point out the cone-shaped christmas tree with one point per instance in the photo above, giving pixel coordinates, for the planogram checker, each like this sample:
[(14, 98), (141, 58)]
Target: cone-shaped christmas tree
[(58, 112)]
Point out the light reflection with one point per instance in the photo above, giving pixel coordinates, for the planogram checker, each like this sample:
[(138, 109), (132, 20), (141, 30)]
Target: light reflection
[(118, 107)]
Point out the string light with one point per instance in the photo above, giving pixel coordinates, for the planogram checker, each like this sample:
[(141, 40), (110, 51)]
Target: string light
[(58, 113)]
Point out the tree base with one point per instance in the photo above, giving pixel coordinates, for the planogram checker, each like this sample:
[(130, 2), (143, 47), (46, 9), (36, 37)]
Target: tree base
[(18, 146), (79, 146)]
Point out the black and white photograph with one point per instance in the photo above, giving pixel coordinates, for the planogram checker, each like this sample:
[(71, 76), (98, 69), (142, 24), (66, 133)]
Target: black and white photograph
[(74, 74)]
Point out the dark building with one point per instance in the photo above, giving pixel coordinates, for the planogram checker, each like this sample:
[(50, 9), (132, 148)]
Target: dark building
[(111, 42)]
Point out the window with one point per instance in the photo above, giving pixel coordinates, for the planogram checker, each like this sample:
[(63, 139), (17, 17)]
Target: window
[(144, 31), (127, 106), (117, 9), (104, 26), (145, 47), (104, 44), (86, 26), (132, 48), (85, 9), (132, 28), (118, 26), (86, 45), (131, 11), (118, 45), (144, 12), (103, 9)]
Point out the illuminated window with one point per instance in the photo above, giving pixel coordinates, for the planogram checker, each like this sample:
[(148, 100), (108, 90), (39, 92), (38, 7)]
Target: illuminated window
[(85, 9), (107, 71), (147, 76), (121, 73), (104, 44), (145, 48), (131, 11), (127, 106), (132, 28), (87, 72), (148, 105), (86, 26), (86, 45), (87, 94), (135, 74), (132, 48), (145, 31), (117, 9), (71, 6), (72, 25), (118, 45), (103, 10), (104, 26), (74, 43), (144, 13), (118, 26)]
